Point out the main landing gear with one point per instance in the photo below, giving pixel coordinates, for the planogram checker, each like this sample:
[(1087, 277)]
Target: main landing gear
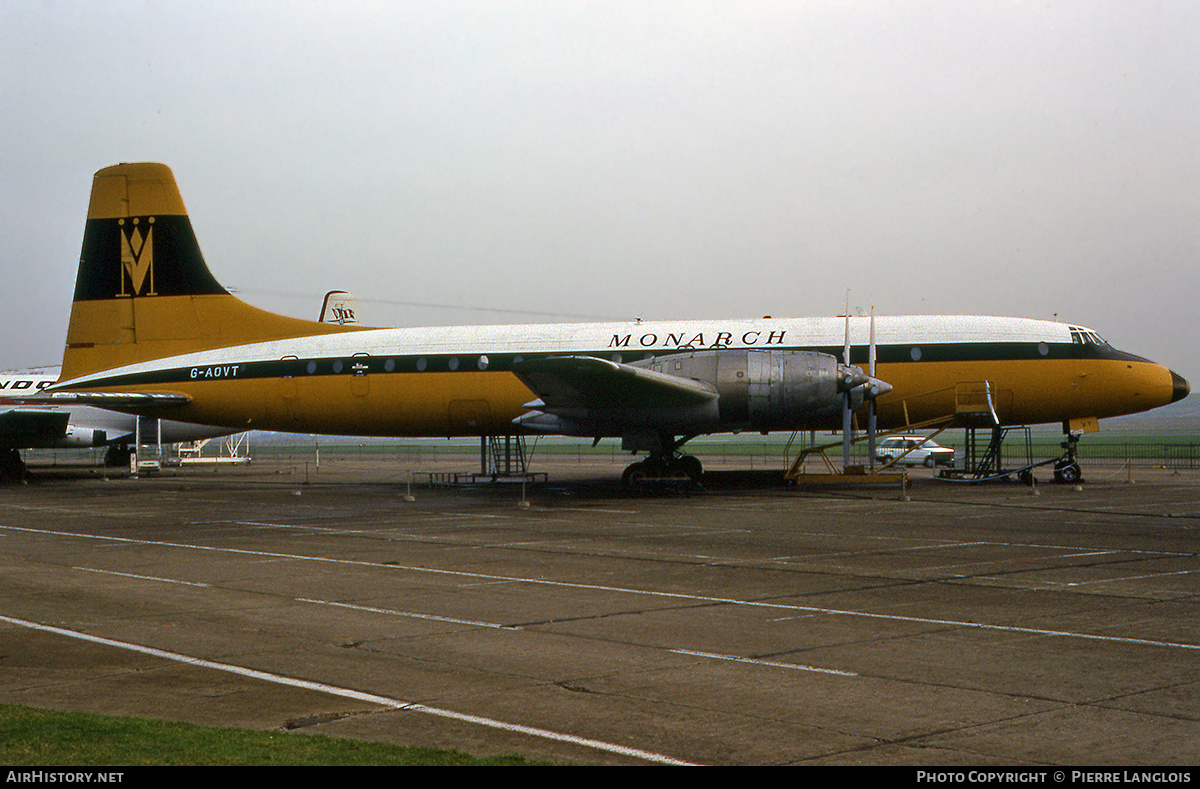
[(663, 462), (681, 467), (117, 455), (11, 464)]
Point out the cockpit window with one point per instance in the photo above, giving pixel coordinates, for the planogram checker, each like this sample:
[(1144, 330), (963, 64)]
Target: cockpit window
[(1085, 337)]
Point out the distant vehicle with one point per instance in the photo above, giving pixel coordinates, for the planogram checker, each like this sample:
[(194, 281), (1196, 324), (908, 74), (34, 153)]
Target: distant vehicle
[(920, 451)]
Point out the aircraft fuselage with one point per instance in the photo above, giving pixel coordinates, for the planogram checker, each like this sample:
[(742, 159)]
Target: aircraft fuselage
[(452, 381)]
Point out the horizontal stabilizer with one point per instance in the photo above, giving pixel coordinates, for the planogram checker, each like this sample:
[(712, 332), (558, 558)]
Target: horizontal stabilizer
[(116, 400)]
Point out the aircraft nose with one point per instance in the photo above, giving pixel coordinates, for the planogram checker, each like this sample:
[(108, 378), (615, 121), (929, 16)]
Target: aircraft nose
[(1180, 385)]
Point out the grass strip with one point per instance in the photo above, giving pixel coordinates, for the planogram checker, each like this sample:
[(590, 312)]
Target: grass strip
[(46, 737)]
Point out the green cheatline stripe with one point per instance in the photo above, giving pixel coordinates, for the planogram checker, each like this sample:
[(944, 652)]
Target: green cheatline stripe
[(467, 363)]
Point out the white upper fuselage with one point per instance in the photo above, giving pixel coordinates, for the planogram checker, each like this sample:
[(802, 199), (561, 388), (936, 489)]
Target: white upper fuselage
[(625, 341)]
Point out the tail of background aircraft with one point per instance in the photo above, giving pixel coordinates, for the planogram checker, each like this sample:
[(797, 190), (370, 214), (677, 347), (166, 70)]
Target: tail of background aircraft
[(339, 307), (143, 290)]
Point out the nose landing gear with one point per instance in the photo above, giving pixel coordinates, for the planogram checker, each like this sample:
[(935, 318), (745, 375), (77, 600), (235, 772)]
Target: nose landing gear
[(1067, 468)]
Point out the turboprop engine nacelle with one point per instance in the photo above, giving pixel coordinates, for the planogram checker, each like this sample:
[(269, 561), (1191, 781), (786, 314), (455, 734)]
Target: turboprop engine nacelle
[(719, 390), (765, 390)]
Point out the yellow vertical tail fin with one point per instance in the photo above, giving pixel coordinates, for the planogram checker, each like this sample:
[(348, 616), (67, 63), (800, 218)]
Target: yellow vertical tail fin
[(143, 290)]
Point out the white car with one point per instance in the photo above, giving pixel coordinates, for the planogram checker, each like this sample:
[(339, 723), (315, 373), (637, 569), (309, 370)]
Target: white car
[(921, 451)]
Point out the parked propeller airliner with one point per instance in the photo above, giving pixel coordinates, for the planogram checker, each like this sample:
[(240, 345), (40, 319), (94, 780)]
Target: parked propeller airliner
[(76, 427), (46, 426), (152, 331)]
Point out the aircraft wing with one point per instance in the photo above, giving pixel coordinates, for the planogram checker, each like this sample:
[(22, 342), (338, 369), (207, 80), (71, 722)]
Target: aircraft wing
[(589, 382), (584, 391)]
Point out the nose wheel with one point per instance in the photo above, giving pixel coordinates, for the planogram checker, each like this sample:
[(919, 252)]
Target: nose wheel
[(1068, 471), (1067, 468)]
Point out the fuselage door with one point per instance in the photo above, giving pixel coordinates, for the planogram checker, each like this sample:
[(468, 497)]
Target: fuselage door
[(360, 383)]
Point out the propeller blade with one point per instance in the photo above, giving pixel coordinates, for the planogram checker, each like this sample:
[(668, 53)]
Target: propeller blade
[(871, 402), (871, 346), (848, 379), (846, 417)]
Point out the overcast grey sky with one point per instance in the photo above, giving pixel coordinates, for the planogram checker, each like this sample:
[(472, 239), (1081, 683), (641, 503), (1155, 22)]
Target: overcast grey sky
[(615, 159)]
